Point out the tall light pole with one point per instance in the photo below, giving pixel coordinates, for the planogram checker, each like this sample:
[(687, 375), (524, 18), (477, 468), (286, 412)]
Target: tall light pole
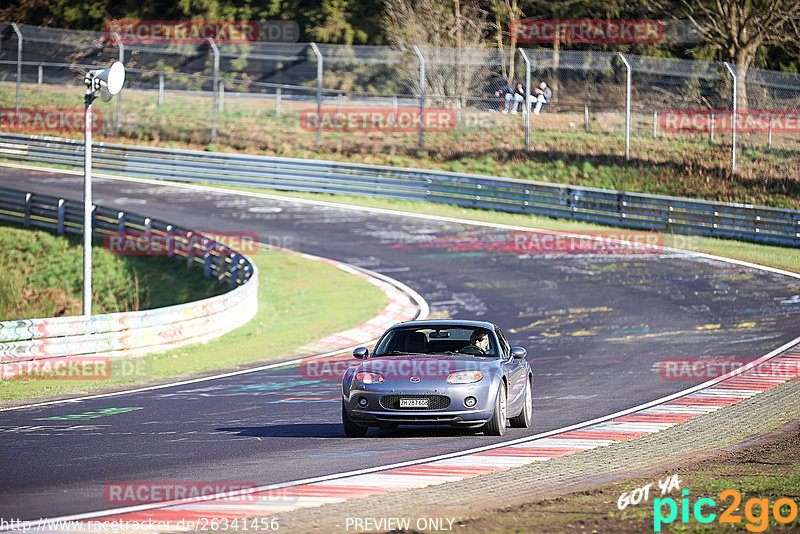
[(108, 82)]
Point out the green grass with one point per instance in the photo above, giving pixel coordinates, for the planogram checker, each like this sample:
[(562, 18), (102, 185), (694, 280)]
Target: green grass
[(763, 472), (561, 151), (300, 300), (33, 285)]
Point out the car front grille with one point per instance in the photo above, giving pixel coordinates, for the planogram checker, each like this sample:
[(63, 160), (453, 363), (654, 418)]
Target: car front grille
[(435, 402)]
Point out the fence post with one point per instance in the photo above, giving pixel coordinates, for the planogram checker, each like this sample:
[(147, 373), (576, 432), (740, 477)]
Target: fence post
[(214, 89), (19, 68), (160, 89), (713, 123), (586, 117), (278, 102), (320, 61), (422, 84), (118, 123), (734, 117), (627, 108), (526, 106), (222, 95), (39, 80), (655, 123), (769, 138)]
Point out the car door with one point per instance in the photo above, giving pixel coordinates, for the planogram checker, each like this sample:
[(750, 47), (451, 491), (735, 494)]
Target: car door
[(514, 370)]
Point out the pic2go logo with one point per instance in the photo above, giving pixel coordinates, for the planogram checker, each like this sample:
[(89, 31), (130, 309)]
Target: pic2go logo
[(756, 511)]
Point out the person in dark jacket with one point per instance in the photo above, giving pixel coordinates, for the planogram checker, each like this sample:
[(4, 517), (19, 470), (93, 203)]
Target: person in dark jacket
[(517, 96)]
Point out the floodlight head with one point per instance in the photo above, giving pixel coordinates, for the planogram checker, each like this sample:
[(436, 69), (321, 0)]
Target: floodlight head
[(108, 81)]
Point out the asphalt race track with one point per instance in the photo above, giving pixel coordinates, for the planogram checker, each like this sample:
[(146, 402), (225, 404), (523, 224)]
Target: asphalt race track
[(595, 325)]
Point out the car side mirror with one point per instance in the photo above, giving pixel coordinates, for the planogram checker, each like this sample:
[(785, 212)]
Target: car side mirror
[(361, 353), (519, 352)]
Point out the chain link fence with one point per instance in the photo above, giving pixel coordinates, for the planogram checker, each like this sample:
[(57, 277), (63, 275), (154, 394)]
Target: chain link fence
[(283, 96)]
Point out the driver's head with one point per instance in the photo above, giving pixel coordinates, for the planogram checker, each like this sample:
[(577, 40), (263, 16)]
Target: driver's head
[(480, 338)]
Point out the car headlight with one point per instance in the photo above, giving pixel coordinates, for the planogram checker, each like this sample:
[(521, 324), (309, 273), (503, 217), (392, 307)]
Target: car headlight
[(370, 378), (464, 377)]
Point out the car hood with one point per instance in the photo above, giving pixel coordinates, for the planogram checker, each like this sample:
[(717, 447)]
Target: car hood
[(425, 366)]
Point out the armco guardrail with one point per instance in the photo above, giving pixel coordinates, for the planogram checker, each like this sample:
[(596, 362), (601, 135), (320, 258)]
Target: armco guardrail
[(633, 210), (118, 335)]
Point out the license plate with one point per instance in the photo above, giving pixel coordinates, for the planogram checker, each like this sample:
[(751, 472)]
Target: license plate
[(413, 403)]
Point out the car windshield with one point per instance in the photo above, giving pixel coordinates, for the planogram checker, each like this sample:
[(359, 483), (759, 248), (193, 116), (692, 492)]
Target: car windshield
[(436, 340)]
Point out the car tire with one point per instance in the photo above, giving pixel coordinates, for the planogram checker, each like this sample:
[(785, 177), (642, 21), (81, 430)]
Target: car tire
[(523, 420), (351, 429), (496, 426)]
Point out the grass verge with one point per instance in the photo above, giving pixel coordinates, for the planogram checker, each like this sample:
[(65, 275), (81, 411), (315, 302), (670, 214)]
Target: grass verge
[(300, 300), (489, 143), (767, 470), (33, 285)]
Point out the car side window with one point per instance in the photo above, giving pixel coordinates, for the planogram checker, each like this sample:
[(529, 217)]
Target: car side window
[(503, 343)]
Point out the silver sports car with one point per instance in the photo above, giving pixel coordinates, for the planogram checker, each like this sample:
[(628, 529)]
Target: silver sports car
[(438, 372)]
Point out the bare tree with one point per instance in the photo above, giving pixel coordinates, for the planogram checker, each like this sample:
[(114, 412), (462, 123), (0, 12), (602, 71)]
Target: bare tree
[(450, 31), (737, 28)]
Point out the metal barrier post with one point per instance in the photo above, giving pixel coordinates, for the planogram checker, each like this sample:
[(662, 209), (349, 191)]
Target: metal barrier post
[(87, 205), (222, 95), (118, 123), (627, 108), (19, 68), (62, 212), (27, 213), (733, 117), (214, 89), (320, 61), (160, 89), (422, 83), (769, 138), (278, 102), (586, 117), (39, 80), (655, 123), (527, 104), (713, 123)]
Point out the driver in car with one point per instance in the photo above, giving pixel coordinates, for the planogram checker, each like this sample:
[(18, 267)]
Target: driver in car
[(479, 339)]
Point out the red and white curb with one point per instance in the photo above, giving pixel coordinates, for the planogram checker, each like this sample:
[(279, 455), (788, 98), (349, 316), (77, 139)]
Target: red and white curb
[(400, 308), (644, 420)]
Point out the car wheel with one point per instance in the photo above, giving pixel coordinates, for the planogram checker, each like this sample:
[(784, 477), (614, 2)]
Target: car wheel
[(496, 426), (351, 429), (523, 420)]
